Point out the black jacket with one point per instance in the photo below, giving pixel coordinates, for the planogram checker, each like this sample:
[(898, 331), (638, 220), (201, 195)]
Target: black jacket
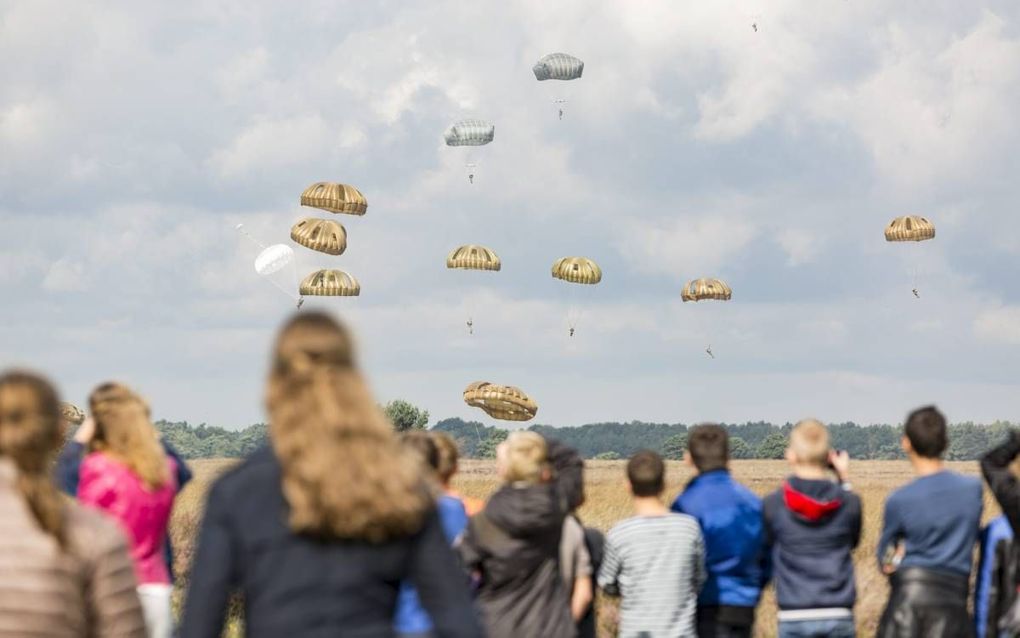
[(514, 546), (1004, 485), (296, 586), (926, 602), (812, 527)]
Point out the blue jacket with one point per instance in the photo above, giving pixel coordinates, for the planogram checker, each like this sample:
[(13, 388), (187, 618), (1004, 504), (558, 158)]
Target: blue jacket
[(985, 586), (730, 516), (411, 617)]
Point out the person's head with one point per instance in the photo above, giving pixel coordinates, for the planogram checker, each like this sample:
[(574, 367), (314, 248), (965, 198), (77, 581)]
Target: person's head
[(125, 432), (809, 444), (522, 458), (449, 455), (419, 442), (646, 474), (30, 434), (924, 433), (708, 447), (345, 474)]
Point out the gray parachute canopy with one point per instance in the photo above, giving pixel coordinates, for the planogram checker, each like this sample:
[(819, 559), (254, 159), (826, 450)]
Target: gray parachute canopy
[(469, 133), (558, 66)]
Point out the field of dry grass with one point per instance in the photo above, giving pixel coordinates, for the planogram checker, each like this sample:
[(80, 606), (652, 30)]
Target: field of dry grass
[(607, 502)]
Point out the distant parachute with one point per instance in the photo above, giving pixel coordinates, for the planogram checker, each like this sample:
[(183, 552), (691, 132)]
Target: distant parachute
[(321, 235), (472, 257), (577, 270), (330, 283), (558, 66), (703, 289), (910, 228), (71, 413), (275, 264), (274, 259), (469, 133), (335, 198), (502, 402)]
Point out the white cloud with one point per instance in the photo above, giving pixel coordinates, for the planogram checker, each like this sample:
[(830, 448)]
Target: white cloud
[(272, 145), (65, 275), (684, 247), (801, 246), (1001, 325)]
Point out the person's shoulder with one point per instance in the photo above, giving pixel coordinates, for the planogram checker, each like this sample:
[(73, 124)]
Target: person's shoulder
[(450, 506), (91, 533), (260, 469)]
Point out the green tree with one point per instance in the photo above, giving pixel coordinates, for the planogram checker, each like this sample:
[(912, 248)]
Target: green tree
[(773, 447), (739, 449), (673, 447), (405, 416), (487, 450), (607, 456)]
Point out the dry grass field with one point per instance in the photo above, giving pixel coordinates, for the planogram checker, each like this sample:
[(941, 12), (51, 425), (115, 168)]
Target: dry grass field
[(607, 502)]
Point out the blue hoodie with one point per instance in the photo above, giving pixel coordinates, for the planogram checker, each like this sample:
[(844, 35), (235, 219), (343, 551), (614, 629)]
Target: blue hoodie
[(731, 523), (997, 531)]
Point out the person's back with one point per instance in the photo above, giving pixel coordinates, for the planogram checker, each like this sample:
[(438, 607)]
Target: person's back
[(730, 517), (995, 585), (654, 560)]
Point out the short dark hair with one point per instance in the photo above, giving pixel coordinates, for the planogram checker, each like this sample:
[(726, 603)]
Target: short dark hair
[(926, 430), (646, 473), (423, 445), (709, 447)]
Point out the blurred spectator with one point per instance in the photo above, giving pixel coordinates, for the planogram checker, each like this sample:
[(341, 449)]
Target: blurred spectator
[(995, 585), (449, 457), (576, 569)]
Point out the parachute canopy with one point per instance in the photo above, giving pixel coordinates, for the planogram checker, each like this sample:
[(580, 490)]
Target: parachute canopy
[(472, 257), (469, 133), (577, 270), (274, 259), (330, 283), (71, 413), (335, 198), (701, 289), (322, 235), (909, 228), (558, 66), (502, 402)]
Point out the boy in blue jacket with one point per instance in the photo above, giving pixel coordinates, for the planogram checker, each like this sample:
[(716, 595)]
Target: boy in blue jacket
[(730, 517)]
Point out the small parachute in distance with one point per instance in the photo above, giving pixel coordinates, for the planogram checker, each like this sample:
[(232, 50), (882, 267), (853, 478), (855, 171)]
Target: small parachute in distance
[(705, 289), (71, 413), (330, 283), (473, 257), (558, 66), (320, 235), (577, 270), (274, 259), (469, 133), (503, 402), (910, 228), (335, 198)]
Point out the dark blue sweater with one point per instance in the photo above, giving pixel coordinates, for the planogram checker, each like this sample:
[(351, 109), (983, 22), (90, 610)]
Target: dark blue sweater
[(938, 517)]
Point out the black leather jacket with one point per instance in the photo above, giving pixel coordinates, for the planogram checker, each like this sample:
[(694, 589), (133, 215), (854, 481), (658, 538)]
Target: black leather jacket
[(926, 602)]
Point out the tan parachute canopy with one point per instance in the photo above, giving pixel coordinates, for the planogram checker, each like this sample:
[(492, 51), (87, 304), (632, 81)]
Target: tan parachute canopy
[(335, 197), (330, 283), (472, 257), (322, 235), (577, 270), (909, 228), (71, 413), (701, 289), (503, 402)]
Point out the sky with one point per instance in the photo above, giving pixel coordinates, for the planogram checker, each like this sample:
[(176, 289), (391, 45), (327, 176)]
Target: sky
[(135, 137)]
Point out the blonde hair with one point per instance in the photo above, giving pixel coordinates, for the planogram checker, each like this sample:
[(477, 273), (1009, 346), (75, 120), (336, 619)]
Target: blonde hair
[(449, 455), (525, 455), (125, 432), (345, 474), (809, 441), (30, 434)]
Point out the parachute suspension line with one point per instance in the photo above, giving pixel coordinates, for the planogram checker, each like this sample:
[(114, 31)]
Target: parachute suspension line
[(290, 293), (240, 228)]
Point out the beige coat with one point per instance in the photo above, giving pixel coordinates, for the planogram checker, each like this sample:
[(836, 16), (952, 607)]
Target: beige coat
[(88, 591)]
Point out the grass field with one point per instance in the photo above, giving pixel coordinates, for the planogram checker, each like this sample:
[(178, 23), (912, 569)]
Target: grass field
[(608, 502)]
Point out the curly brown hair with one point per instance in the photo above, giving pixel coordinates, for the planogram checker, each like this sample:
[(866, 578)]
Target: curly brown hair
[(345, 474), (125, 432)]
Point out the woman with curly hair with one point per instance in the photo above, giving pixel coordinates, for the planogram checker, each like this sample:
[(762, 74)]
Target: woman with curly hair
[(318, 531), (64, 570), (127, 475)]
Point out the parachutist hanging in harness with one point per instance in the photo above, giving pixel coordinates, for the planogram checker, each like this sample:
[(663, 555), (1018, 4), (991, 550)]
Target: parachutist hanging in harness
[(300, 302), (572, 332), (561, 114), (708, 350), (470, 327), (754, 25), (916, 294)]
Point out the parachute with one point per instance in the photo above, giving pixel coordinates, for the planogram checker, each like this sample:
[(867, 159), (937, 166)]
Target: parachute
[(274, 259), (330, 283), (503, 402), (909, 228), (577, 270), (558, 66), (321, 235), (469, 133), (335, 198), (275, 264), (703, 289), (472, 257), (71, 413)]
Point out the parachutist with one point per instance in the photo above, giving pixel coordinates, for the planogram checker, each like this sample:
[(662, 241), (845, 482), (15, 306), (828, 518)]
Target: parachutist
[(300, 302), (916, 294), (471, 178), (471, 327), (708, 350), (754, 25), (571, 332), (561, 114)]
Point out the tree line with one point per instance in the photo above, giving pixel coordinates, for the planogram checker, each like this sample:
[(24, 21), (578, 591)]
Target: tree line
[(751, 440)]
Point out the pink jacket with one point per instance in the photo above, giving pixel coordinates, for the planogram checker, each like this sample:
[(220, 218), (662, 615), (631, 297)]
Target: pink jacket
[(110, 486)]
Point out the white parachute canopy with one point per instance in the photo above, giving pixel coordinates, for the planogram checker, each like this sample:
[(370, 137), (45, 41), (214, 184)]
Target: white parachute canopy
[(470, 133), (558, 66), (274, 259)]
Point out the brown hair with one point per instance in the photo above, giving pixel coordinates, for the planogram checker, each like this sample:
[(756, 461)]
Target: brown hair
[(708, 446), (345, 474), (30, 434), (646, 473), (423, 445), (926, 429), (524, 454), (449, 455), (125, 432), (809, 441)]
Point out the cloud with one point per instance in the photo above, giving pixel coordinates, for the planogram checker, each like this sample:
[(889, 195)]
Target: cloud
[(689, 248), (65, 275), (801, 246), (1000, 325)]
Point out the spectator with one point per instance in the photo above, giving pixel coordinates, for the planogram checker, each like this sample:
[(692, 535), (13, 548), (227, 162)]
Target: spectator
[(812, 525), (576, 569), (935, 521), (730, 516), (449, 457), (512, 547), (64, 570), (411, 620), (318, 531), (995, 466), (995, 585), (127, 476), (655, 560)]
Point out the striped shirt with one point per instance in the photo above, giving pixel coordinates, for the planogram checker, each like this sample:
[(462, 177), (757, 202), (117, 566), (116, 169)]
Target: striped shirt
[(657, 565)]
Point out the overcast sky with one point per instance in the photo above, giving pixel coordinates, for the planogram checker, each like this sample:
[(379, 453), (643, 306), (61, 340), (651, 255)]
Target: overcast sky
[(134, 137)]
